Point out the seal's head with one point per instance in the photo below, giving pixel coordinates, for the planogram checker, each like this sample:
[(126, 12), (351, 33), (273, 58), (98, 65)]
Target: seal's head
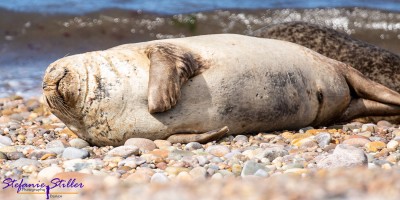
[(64, 88)]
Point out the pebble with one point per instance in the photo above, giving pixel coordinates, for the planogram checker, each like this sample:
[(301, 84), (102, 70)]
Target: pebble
[(393, 144), (179, 154), (8, 149), (261, 173), (15, 155), (6, 141), (298, 171), (357, 141), (369, 127), (78, 164), (49, 172), (217, 150), (323, 139), (241, 138), (159, 178), (251, 167), (24, 162), (384, 123), (273, 152), (375, 146), (176, 170), (73, 153), (344, 156), (124, 151), (184, 176), (3, 156), (78, 143), (217, 176), (193, 146), (162, 144), (56, 146), (198, 173), (141, 143)]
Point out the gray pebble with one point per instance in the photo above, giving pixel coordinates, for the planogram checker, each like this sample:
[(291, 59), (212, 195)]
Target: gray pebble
[(78, 143), (202, 160), (38, 153), (124, 151), (24, 162), (56, 146), (179, 154), (250, 168), (241, 138), (375, 138), (344, 156), (15, 155), (273, 152), (6, 141), (193, 146), (261, 173), (79, 164), (72, 153), (231, 154), (323, 139)]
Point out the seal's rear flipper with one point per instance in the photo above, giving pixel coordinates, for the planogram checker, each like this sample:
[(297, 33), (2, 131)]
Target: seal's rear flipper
[(170, 68), (201, 138), (364, 107), (365, 88), (370, 98)]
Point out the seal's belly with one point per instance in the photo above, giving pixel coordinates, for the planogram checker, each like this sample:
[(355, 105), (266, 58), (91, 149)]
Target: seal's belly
[(250, 98)]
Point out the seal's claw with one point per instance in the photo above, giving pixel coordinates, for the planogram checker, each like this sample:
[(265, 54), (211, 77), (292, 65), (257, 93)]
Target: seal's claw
[(162, 97)]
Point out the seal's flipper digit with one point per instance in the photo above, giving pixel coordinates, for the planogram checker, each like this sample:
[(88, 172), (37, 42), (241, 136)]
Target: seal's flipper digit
[(367, 89), (170, 68), (201, 138), (364, 107)]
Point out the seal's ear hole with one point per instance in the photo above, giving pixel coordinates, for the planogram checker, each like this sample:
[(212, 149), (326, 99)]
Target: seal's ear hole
[(320, 96)]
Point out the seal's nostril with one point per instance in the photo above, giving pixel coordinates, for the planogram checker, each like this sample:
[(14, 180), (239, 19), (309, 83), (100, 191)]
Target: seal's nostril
[(44, 85)]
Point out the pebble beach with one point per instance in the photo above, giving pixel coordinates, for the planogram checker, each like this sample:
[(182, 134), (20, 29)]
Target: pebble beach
[(347, 161)]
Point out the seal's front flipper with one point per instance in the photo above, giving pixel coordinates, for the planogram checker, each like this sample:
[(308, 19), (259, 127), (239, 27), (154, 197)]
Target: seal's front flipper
[(170, 68), (367, 89), (201, 138), (364, 107)]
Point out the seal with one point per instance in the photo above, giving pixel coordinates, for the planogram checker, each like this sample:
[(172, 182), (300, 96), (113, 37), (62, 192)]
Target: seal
[(195, 88), (376, 63)]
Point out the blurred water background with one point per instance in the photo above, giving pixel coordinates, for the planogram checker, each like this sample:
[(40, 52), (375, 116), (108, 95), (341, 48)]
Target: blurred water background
[(34, 33)]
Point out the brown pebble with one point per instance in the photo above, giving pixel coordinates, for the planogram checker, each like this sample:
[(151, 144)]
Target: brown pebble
[(161, 165)]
